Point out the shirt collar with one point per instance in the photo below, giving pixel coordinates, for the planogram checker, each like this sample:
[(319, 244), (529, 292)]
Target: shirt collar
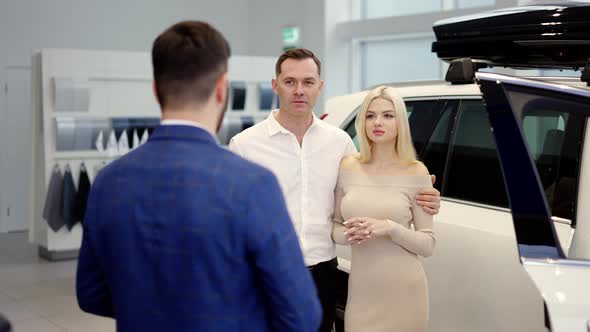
[(275, 127), (178, 122)]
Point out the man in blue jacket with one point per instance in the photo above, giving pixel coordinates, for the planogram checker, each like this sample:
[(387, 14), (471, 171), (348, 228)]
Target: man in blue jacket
[(183, 235)]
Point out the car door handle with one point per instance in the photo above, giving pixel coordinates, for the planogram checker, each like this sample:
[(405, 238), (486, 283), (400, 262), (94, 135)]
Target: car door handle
[(562, 221)]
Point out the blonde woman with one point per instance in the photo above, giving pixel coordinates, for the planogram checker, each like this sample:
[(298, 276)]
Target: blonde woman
[(374, 211)]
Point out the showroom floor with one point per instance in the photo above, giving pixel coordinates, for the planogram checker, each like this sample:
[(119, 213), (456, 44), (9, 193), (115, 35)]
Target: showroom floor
[(36, 295)]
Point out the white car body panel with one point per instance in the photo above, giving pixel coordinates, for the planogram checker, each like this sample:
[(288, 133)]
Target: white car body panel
[(564, 286), (580, 247)]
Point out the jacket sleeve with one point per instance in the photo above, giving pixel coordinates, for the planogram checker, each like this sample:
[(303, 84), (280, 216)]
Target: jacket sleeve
[(92, 291), (272, 242)]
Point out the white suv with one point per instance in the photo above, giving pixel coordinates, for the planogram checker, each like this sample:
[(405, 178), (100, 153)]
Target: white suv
[(476, 280)]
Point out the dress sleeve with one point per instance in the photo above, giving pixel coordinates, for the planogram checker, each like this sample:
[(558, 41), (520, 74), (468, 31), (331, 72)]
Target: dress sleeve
[(338, 227), (419, 240)]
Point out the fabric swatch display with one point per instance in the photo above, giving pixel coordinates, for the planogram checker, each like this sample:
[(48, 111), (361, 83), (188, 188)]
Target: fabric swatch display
[(82, 194), (112, 146), (99, 143), (69, 199), (123, 145), (52, 212), (144, 137), (135, 139)]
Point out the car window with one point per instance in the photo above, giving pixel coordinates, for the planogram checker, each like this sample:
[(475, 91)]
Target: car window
[(436, 146), (554, 139), (424, 118), (474, 172), (554, 133)]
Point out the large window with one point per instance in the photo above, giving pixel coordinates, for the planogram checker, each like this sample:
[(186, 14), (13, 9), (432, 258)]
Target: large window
[(397, 60), (460, 4), (388, 8)]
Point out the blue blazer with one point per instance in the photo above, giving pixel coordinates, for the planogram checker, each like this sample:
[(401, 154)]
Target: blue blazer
[(184, 235)]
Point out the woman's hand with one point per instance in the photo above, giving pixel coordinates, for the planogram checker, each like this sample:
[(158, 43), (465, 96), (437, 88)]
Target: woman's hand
[(360, 229), (429, 199)]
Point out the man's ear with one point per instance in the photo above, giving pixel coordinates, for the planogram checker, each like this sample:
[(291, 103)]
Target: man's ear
[(156, 92), (221, 97), (221, 89), (274, 86)]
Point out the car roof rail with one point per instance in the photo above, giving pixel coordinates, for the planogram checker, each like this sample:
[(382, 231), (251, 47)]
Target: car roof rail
[(586, 73), (462, 71), (410, 83)]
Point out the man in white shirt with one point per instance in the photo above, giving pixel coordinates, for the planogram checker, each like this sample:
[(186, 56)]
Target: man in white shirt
[(304, 153)]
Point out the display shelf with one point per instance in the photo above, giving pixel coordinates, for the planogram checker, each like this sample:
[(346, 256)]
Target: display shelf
[(83, 155)]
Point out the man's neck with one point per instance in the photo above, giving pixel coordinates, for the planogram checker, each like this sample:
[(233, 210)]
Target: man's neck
[(297, 125)]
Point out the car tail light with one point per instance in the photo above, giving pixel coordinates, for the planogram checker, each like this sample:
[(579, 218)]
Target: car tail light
[(323, 116)]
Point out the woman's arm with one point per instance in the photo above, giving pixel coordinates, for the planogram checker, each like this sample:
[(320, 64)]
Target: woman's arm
[(420, 240)]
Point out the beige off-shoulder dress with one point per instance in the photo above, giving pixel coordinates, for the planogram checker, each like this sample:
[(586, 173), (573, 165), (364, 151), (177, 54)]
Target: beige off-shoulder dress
[(387, 288)]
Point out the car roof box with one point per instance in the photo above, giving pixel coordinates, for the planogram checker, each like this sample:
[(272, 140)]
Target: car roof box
[(548, 36)]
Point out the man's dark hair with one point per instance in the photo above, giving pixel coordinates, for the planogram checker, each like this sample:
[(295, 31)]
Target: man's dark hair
[(188, 59), (297, 54)]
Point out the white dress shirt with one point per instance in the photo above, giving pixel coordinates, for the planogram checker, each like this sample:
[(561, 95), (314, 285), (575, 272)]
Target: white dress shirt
[(307, 175)]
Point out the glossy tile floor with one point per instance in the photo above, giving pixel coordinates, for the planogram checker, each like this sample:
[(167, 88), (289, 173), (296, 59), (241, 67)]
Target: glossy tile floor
[(37, 295)]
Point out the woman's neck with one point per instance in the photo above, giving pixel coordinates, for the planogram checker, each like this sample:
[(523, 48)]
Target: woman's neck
[(383, 155)]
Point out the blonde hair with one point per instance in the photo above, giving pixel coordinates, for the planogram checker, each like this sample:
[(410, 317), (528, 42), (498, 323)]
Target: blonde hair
[(403, 144)]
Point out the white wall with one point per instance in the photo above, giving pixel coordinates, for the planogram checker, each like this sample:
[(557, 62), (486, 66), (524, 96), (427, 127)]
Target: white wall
[(107, 24), (268, 17), (253, 27)]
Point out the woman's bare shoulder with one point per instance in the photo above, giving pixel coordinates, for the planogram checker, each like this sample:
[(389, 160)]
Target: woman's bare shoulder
[(418, 168)]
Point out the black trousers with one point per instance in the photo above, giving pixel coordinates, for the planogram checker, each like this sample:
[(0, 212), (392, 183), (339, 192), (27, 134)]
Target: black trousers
[(325, 274)]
